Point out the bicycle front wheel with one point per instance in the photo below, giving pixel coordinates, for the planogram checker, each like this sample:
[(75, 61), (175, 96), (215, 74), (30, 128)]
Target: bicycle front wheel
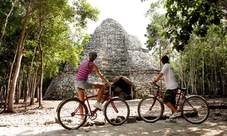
[(72, 113), (116, 112), (195, 109), (150, 109)]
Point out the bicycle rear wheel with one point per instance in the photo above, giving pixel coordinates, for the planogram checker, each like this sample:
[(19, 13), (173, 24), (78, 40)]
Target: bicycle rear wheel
[(195, 109), (116, 112), (68, 113), (150, 109)]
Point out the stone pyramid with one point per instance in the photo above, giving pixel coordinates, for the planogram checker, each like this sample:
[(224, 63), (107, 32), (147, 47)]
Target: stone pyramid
[(119, 54)]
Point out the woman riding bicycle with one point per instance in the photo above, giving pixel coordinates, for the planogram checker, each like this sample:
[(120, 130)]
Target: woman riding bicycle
[(171, 87), (82, 82)]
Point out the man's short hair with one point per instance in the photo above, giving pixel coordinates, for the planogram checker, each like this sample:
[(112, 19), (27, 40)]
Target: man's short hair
[(165, 59)]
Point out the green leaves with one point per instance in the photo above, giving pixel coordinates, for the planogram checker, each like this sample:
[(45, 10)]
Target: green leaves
[(84, 11), (48, 25), (186, 17)]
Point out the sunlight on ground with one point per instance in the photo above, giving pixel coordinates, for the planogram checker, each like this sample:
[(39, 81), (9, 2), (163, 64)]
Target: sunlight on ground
[(145, 133), (219, 130), (167, 131), (215, 129), (159, 130), (223, 127), (212, 132), (194, 128), (182, 130), (211, 124), (26, 130)]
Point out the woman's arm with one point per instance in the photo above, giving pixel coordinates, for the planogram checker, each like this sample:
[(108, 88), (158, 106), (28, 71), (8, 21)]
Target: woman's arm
[(100, 75)]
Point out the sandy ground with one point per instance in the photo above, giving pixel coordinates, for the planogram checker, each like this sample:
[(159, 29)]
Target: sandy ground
[(41, 122)]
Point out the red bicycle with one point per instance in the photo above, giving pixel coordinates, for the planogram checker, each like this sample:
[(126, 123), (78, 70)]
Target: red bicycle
[(193, 108), (116, 111)]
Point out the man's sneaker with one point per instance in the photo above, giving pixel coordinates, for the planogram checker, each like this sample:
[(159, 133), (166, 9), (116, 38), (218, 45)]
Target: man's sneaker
[(98, 105), (175, 114), (171, 120)]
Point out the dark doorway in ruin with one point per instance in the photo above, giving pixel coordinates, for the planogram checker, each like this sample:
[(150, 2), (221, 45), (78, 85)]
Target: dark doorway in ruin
[(123, 88)]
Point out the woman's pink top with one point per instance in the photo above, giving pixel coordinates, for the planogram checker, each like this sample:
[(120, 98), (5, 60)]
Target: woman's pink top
[(84, 71)]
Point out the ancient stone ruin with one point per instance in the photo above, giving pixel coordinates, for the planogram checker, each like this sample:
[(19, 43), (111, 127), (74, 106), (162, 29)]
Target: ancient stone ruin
[(121, 58)]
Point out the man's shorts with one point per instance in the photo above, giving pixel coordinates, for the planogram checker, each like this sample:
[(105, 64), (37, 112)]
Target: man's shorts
[(170, 96), (83, 85)]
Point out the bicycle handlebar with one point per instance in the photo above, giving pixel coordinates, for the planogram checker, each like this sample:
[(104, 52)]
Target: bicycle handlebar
[(153, 83)]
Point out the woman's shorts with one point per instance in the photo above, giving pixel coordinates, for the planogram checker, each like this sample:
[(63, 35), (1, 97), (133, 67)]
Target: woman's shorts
[(170, 96), (83, 85)]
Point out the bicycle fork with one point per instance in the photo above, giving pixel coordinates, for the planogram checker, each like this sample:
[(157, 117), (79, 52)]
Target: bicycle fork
[(153, 102), (113, 105)]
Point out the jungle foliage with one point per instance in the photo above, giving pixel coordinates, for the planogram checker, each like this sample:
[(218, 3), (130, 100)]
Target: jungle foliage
[(193, 34), (36, 40)]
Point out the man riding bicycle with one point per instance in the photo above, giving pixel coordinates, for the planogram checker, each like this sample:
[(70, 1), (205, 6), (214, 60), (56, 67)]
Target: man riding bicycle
[(167, 74)]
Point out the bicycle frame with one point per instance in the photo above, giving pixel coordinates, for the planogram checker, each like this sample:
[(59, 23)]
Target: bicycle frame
[(106, 97), (192, 108), (182, 97), (180, 100), (159, 94), (87, 97), (73, 113)]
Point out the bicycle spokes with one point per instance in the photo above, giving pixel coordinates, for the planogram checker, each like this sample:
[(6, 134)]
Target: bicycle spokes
[(195, 109), (72, 113), (116, 111), (150, 109)]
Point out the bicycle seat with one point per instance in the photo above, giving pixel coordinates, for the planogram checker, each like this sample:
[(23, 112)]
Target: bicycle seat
[(80, 88), (183, 89)]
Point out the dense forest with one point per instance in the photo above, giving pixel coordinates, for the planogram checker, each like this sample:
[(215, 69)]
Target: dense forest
[(193, 34), (37, 39)]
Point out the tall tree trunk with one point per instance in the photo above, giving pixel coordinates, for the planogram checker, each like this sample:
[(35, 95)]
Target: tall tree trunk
[(41, 67), (37, 87), (216, 84), (28, 86), (33, 86), (160, 55), (203, 69), (9, 82), (20, 48), (41, 80), (182, 71), (3, 92), (192, 69), (6, 21), (18, 87), (34, 78)]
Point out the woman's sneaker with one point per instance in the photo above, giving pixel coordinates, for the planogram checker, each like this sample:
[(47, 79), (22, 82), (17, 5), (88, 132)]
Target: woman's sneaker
[(98, 105), (175, 114)]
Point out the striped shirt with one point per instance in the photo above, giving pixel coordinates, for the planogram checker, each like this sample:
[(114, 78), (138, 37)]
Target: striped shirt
[(84, 71)]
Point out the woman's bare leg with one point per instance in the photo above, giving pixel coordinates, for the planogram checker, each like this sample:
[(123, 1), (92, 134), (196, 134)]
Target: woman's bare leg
[(101, 88), (81, 97)]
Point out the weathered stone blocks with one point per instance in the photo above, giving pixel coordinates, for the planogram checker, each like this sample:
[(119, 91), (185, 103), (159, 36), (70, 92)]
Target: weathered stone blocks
[(119, 54)]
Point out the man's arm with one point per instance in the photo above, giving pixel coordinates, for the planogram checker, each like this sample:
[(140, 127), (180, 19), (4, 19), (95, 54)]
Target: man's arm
[(159, 77)]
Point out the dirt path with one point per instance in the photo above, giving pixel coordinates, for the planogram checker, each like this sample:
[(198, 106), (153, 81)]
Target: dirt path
[(160, 128), (42, 122)]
